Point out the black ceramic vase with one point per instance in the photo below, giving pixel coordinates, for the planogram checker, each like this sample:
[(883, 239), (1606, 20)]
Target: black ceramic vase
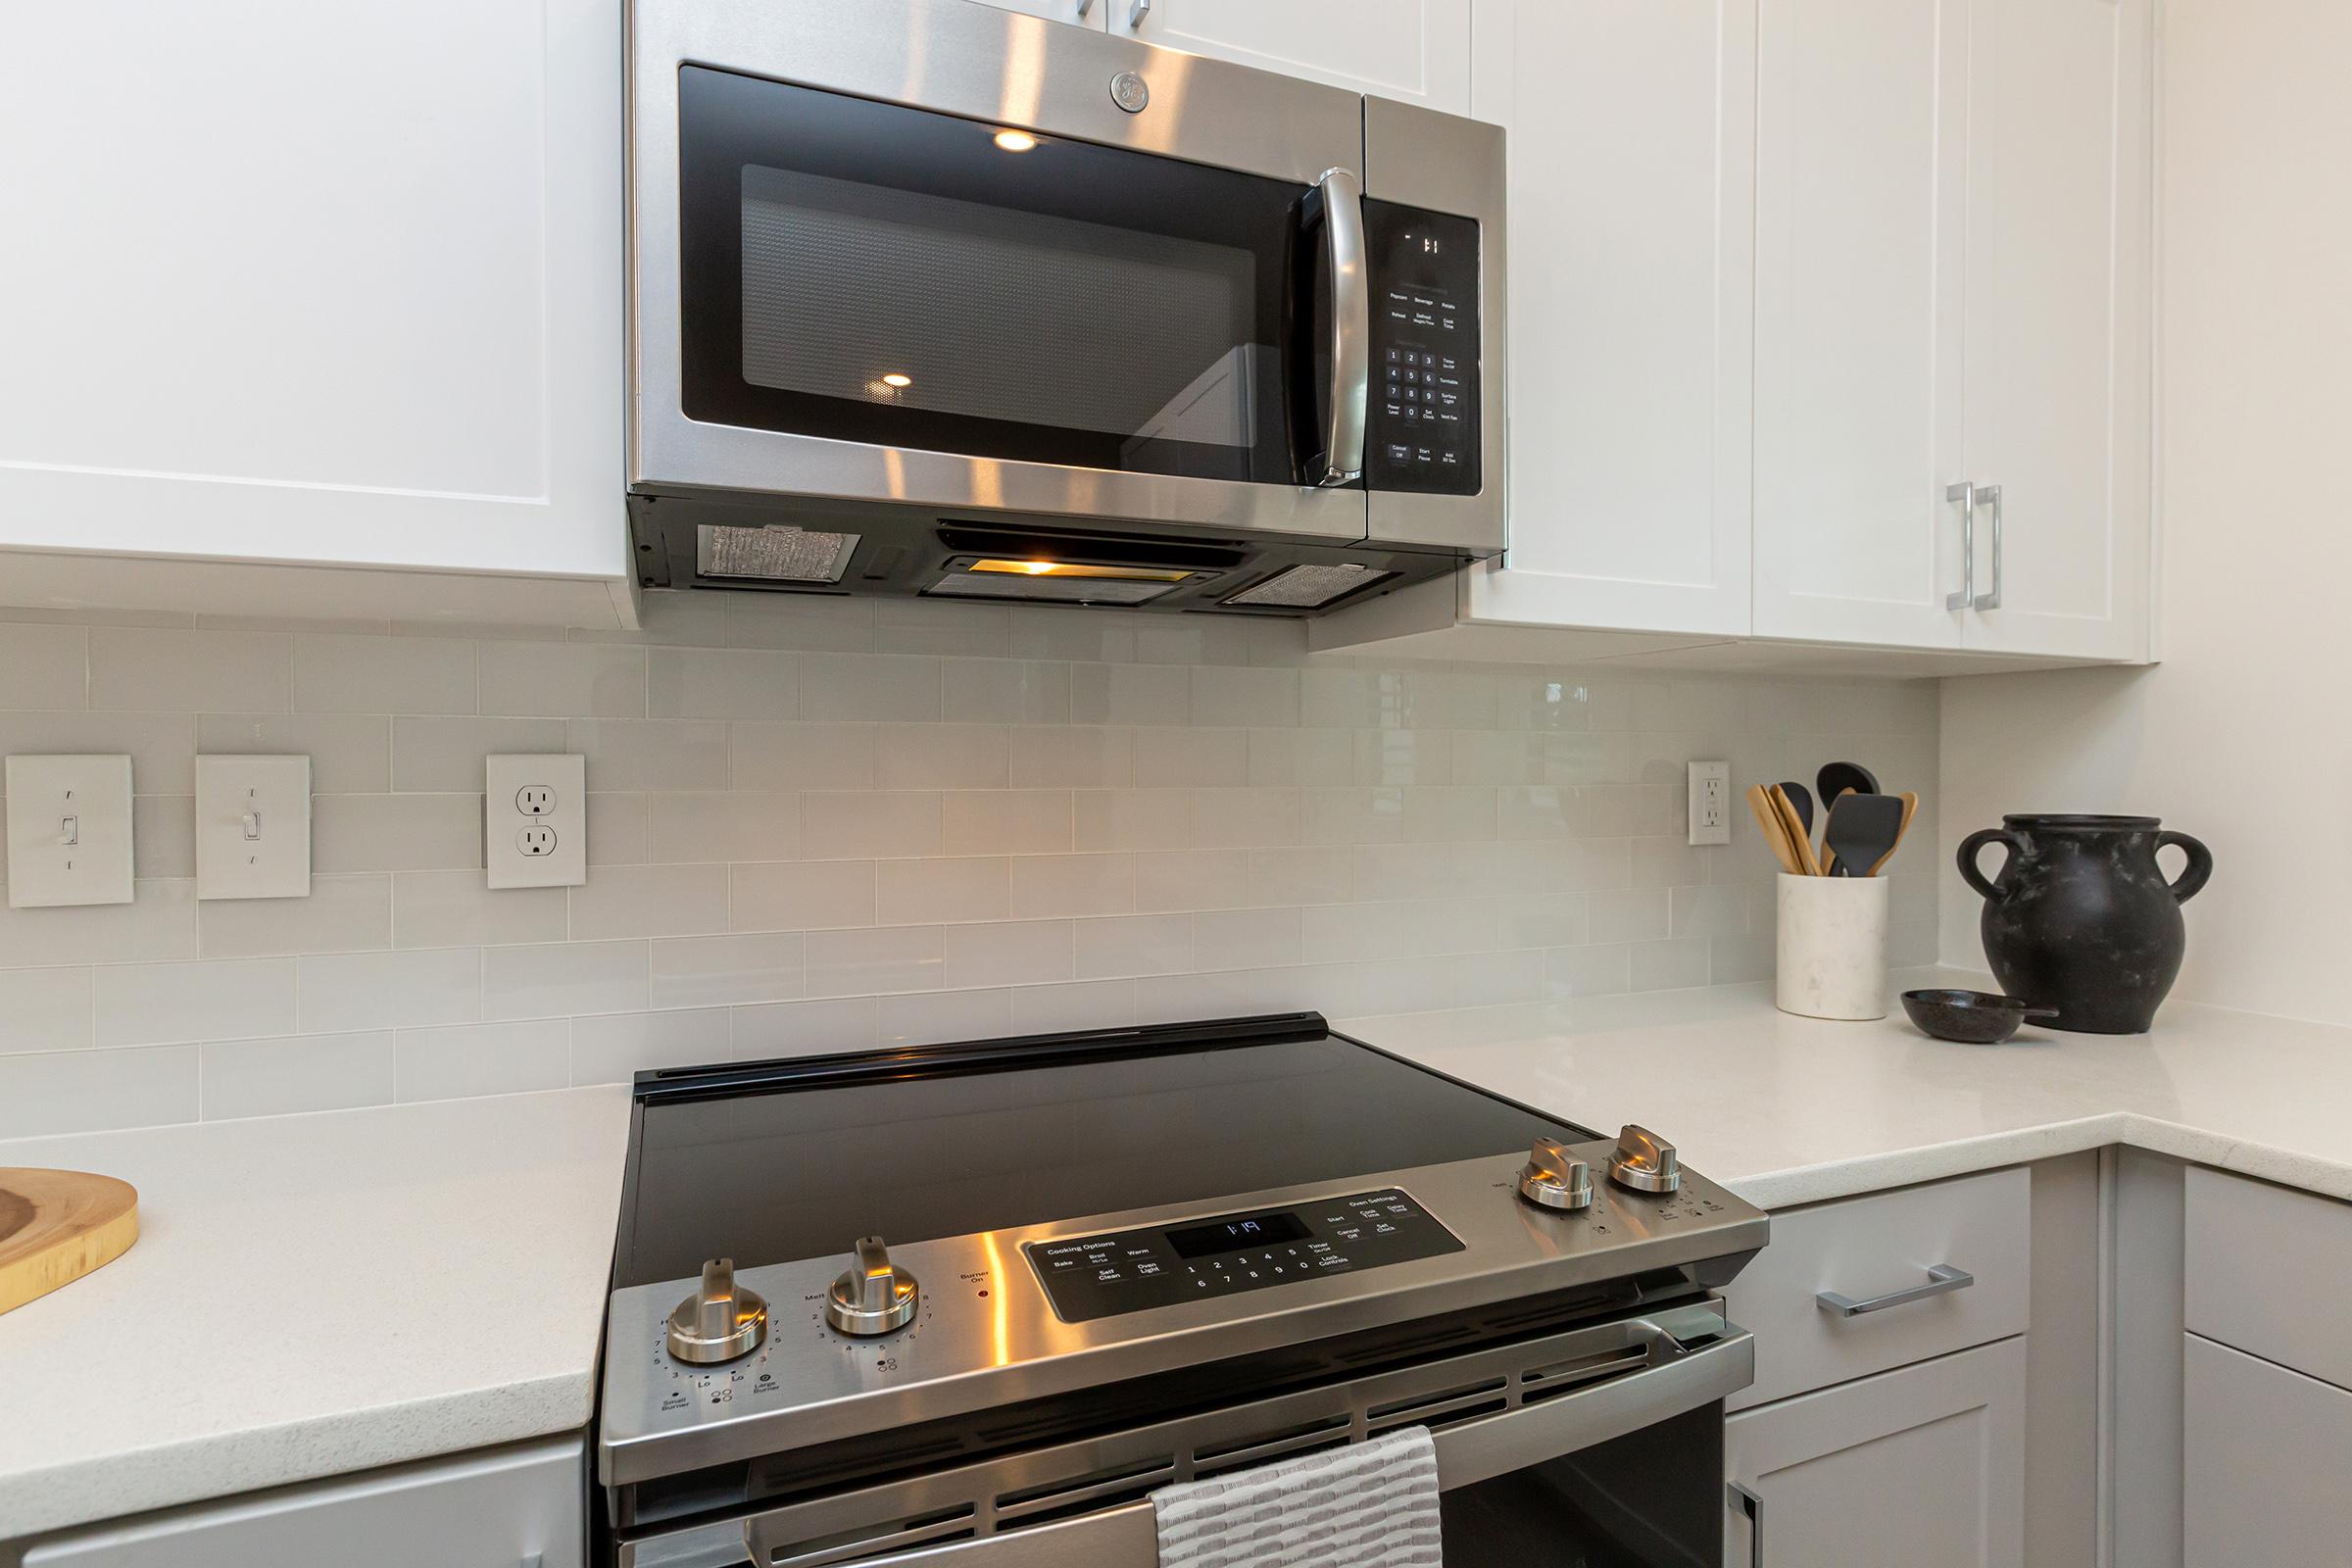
[(2082, 920)]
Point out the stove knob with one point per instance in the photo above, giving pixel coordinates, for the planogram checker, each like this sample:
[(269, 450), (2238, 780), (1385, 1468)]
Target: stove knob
[(875, 1296), (1644, 1161), (1555, 1178), (720, 1321)]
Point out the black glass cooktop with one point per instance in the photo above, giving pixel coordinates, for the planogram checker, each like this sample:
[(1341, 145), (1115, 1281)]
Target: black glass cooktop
[(768, 1162)]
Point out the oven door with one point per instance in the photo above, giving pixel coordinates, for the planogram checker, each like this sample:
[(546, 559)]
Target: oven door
[(936, 253), (1599, 1446)]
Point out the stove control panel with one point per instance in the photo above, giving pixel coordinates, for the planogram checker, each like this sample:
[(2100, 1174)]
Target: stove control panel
[(1089, 1277)]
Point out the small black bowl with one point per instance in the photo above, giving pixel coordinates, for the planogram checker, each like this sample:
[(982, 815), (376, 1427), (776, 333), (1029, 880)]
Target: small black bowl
[(1970, 1017)]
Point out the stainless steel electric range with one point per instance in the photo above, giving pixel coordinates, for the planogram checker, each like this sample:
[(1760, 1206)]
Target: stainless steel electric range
[(969, 1304)]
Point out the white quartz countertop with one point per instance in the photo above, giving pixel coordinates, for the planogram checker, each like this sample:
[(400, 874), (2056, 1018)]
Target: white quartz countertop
[(1787, 1110), (313, 1294)]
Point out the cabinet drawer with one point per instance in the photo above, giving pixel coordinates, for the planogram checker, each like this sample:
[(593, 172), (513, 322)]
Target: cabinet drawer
[(2264, 1451), (521, 1507), (1868, 1248), (2266, 1266)]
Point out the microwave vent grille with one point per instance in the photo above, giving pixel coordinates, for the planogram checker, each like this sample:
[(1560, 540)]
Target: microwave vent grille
[(773, 554), (1308, 587)]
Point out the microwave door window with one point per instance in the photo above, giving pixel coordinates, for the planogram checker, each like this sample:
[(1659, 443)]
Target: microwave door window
[(870, 273)]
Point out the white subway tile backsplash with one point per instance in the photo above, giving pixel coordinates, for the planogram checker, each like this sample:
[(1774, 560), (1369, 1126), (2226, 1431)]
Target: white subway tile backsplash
[(295, 1072), (377, 675), (465, 1059), (567, 978), (828, 824), (724, 683), (91, 1091), (161, 1004), (395, 832), (136, 670), (650, 901), (342, 914), (337, 992), (45, 666), (562, 680), (45, 1010)]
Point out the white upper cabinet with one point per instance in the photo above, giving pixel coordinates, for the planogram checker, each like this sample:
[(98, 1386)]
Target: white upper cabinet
[(336, 284), (2059, 400), (1861, 191), (1414, 51), (1953, 240), (1631, 126)]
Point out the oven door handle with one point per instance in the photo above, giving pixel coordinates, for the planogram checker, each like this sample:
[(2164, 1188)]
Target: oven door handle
[(1350, 260), (1475, 1451)]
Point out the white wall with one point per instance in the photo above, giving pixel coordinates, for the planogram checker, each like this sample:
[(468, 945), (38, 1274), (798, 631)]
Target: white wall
[(2241, 736), (825, 825)]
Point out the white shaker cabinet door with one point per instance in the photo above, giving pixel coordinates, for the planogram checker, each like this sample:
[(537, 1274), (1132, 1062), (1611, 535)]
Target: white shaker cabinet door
[(1414, 51), (2059, 323), (1923, 1467), (1631, 136), (2266, 1454), (1861, 196), (335, 283)]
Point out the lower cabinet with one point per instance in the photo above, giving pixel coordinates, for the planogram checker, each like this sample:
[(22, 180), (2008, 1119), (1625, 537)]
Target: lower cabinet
[(1923, 1466), (2265, 1455), (519, 1507)]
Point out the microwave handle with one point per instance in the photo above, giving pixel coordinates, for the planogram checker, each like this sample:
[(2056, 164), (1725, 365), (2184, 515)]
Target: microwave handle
[(1351, 262), (1475, 1451)]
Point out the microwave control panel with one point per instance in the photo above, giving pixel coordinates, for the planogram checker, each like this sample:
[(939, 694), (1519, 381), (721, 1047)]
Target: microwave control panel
[(1130, 1271), (1424, 427)]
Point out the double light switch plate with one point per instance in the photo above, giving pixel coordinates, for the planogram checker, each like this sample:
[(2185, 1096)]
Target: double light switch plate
[(253, 827), (69, 831)]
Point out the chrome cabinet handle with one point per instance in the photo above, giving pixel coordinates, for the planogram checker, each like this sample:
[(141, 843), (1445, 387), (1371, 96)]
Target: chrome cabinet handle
[(1943, 1280), (1990, 495), (1350, 326), (1966, 494), (1753, 1506), (1136, 12)]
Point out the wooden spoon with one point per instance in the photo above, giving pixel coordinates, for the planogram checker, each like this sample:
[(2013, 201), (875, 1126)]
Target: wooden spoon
[(1776, 836), (1793, 825), (1910, 802)]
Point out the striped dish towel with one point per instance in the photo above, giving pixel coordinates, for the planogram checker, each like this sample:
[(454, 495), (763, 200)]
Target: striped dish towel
[(1367, 1505)]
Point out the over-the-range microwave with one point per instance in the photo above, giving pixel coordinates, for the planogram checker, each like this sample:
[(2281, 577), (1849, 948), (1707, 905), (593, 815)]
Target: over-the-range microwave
[(935, 299)]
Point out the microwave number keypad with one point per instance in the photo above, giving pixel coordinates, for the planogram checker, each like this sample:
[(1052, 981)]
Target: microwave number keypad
[(1131, 1271), (1424, 433)]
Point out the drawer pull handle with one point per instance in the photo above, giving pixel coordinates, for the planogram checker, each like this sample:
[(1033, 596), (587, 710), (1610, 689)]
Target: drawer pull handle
[(1751, 1505), (1943, 1280)]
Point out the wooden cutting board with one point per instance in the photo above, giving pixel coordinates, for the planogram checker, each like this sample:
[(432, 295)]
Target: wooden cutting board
[(58, 1225)]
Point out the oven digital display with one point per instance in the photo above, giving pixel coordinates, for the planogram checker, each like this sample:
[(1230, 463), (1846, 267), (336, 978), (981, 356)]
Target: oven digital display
[(1232, 1234)]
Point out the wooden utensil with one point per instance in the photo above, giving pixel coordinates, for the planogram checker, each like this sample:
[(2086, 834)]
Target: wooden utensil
[(1910, 810), (1799, 841), (1776, 836), (58, 1225), (1802, 799), (1863, 829)]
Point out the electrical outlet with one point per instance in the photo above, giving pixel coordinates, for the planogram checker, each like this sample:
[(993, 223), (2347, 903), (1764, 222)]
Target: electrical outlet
[(1710, 802), (535, 822)]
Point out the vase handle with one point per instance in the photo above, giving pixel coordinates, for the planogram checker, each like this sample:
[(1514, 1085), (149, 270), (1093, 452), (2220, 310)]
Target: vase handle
[(1974, 844), (2201, 865)]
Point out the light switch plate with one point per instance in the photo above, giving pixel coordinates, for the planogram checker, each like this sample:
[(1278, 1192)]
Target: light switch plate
[(535, 821), (69, 831), (253, 827)]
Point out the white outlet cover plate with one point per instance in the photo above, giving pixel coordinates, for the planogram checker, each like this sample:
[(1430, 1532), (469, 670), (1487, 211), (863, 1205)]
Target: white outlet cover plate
[(55, 799), (253, 827), (504, 820), (1710, 802)]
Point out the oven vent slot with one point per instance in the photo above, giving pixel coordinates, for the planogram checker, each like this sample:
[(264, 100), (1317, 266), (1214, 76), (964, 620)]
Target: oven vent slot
[(1084, 1494), (1537, 1384), (858, 1546), (1331, 1432), (1441, 1409), (1419, 1347)]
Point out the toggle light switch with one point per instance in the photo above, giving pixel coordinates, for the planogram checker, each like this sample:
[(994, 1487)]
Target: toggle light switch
[(253, 827), (69, 831)]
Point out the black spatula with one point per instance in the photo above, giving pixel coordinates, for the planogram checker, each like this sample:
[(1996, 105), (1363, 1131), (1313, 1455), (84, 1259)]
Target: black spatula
[(1862, 831)]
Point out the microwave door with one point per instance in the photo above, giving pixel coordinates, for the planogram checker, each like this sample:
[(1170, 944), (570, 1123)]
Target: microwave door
[(909, 280)]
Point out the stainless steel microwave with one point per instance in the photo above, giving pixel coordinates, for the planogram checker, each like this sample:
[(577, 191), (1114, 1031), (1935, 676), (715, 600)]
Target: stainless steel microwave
[(930, 298)]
